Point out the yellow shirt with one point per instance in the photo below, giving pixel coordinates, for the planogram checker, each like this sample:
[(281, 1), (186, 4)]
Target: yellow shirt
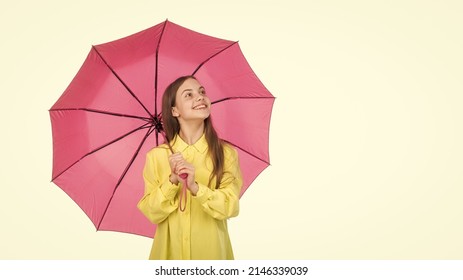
[(200, 232)]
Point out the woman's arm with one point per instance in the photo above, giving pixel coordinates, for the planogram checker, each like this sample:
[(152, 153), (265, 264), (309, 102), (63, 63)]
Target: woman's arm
[(223, 203), (160, 198)]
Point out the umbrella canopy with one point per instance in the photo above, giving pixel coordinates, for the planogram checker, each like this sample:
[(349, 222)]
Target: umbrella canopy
[(108, 117)]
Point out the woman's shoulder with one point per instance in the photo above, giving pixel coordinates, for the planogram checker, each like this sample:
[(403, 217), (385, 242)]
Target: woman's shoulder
[(160, 150), (229, 151)]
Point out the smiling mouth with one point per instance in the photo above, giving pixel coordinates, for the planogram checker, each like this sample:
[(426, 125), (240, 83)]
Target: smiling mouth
[(200, 107)]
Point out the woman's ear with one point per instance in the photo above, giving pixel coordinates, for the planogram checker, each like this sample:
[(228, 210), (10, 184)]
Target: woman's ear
[(175, 112)]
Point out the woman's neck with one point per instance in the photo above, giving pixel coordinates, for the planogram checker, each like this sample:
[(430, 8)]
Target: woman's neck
[(191, 132)]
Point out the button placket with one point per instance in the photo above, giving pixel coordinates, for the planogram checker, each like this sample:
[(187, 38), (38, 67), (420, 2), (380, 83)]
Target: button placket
[(186, 241), (189, 154)]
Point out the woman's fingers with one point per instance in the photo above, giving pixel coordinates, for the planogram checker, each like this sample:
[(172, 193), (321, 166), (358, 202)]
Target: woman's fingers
[(174, 160), (183, 167), (180, 166)]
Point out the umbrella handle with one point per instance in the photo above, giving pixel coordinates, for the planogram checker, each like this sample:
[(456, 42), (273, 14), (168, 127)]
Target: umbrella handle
[(183, 192)]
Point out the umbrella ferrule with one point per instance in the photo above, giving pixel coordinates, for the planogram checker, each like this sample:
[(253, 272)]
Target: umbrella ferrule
[(157, 123)]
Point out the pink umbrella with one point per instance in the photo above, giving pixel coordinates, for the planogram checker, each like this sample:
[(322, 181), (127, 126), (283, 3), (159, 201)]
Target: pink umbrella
[(108, 117)]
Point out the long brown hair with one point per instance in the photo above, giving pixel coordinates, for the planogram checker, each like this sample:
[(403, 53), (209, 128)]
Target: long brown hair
[(171, 127)]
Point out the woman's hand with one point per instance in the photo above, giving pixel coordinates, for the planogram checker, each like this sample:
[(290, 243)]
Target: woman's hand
[(179, 166), (174, 159)]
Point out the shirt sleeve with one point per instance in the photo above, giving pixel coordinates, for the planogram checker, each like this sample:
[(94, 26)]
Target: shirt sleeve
[(160, 197), (223, 203)]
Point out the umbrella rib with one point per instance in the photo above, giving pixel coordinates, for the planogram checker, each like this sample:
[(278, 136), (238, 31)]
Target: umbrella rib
[(156, 71), (244, 97), (122, 82), (125, 172), (103, 146), (102, 112), (247, 152), (212, 56)]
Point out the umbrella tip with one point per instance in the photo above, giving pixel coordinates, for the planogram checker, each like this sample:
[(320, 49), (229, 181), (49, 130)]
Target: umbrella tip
[(157, 123)]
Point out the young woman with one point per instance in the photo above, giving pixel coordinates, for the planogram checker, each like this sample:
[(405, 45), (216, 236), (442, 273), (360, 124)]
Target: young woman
[(191, 225)]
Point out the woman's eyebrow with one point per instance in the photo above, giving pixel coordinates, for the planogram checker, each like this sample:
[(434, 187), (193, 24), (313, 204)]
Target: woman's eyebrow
[(188, 89)]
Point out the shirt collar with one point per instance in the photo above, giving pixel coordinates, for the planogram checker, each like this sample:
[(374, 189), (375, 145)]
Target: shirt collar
[(179, 145)]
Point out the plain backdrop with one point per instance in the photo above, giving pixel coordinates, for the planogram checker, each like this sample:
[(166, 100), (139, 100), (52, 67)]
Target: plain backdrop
[(366, 134)]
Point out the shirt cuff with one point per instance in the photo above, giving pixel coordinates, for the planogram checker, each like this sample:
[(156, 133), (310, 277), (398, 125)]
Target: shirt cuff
[(169, 190), (203, 194)]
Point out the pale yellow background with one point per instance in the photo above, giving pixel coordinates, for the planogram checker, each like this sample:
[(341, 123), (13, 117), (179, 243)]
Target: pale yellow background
[(366, 134)]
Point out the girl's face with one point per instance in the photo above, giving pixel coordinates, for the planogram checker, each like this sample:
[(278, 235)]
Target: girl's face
[(191, 101)]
